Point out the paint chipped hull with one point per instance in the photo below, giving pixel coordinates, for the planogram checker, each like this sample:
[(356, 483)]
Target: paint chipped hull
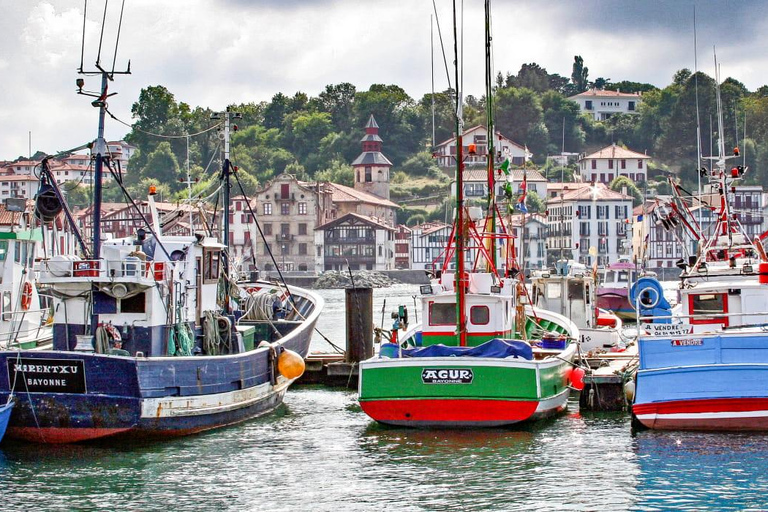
[(115, 396)]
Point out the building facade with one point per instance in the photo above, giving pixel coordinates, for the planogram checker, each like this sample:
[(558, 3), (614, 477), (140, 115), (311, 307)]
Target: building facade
[(288, 212), (602, 104), (445, 152), (429, 242), (611, 162), (589, 223), (355, 242)]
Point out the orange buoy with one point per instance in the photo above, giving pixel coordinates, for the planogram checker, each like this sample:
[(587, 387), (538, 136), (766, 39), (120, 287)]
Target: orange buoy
[(290, 364)]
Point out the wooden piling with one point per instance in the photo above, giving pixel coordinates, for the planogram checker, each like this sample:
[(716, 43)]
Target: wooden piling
[(359, 309)]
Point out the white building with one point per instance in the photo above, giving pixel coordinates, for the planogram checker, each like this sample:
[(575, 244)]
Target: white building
[(611, 162), (445, 152), (357, 242), (586, 216), (20, 186), (476, 183), (532, 240), (602, 104), (428, 244)]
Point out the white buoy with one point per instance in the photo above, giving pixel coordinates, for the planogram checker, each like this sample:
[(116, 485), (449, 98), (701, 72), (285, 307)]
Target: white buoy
[(629, 390)]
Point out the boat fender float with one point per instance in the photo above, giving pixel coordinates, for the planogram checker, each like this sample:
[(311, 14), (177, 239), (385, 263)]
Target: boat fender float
[(576, 378), (290, 364)]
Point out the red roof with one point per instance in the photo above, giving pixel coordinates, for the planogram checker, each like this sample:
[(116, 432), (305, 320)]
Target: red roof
[(604, 93), (598, 192), (344, 194), (614, 152)]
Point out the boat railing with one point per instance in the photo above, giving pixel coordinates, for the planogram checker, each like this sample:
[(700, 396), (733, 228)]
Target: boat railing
[(106, 269), (713, 317)]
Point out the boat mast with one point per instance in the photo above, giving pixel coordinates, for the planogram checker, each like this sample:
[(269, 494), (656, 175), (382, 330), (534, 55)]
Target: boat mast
[(460, 229), (491, 213), (99, 150)]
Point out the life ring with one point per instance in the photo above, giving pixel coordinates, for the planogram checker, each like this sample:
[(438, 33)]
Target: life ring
[(26, 295)]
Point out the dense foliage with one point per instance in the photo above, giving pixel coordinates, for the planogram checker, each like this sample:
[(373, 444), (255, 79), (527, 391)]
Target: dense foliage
[(317, 137)]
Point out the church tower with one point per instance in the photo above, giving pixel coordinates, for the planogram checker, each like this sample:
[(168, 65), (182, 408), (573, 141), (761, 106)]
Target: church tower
[(372, 167)]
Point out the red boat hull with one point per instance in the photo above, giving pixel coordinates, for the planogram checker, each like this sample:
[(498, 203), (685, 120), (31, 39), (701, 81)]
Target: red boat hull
[(705, 414), (451, 413)]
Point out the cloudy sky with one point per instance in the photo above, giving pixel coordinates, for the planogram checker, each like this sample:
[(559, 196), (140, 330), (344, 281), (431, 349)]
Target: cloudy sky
[(215, 52)]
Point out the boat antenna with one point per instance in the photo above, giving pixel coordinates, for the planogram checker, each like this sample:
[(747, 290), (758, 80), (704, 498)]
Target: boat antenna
[(99, 149), (442, 45), (698, 118), (432, 66)]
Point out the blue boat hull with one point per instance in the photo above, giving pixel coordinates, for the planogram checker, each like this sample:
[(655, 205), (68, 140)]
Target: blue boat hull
[(713, 382), (5, 416), (106, 395)]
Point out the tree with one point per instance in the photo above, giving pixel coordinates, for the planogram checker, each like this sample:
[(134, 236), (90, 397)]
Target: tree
[(532, 76), (338, 100), (161, 167), (420, 164), (580, 74), (520, 117), (619, 183), (337, 172)]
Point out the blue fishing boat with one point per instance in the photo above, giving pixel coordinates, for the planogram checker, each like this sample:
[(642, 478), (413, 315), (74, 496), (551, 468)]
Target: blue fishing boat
[(5, 415), (152, 335), (704, 364)]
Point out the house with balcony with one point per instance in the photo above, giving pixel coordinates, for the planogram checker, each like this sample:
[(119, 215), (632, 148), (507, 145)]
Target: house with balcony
[(586, 216), (445, 152), (288, 212), (355, 242), (601, 104)]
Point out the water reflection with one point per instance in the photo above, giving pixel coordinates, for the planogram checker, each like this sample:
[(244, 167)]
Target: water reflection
[(695, 470)]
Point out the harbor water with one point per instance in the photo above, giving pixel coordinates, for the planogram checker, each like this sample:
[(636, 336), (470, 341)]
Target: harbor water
[(319, 452)]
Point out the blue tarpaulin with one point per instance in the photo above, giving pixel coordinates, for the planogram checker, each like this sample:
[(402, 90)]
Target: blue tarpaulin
[(496, 347)]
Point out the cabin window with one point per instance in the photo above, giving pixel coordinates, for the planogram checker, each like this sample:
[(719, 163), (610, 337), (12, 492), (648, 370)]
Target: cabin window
[(553, 290), (479, 315), (17, 252), (3, 249), (211, 266), (442, 313), (623, 277), (575, 290), (135, 304), (703, 304)]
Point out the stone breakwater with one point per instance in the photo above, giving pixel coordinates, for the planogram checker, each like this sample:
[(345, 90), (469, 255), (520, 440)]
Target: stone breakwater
[(362, 279)]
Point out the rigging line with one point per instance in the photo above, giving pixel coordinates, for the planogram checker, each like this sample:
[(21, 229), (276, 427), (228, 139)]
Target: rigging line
[(138, 210), (442, 46), (132, 127), (266, 245), (82, 44), (101, 37), (117, 39)]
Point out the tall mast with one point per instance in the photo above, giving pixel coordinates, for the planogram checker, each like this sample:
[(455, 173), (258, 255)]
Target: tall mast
[(491, 222), (460, 220)]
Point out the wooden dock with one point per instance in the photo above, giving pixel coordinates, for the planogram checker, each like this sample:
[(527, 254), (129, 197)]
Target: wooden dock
[(329, 370), (605, 380)]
